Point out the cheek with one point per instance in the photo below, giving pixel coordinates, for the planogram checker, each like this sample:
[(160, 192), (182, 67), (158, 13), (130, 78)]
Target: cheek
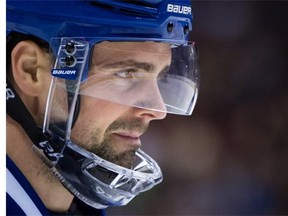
[(95, 115)]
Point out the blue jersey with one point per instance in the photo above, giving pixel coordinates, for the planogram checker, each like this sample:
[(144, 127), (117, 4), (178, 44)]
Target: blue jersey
[(21, 198)]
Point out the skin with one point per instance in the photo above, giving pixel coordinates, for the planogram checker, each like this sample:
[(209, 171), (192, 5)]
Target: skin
[(111, 130)]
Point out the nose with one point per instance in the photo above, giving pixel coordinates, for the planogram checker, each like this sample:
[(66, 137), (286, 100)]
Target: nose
[(149, 114), (150, 104)]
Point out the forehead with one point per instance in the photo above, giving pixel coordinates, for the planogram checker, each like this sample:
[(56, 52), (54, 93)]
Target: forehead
[(148, 47), (139, 51)]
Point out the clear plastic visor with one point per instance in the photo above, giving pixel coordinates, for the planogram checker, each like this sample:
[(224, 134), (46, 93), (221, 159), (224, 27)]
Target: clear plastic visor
[(147, 75)]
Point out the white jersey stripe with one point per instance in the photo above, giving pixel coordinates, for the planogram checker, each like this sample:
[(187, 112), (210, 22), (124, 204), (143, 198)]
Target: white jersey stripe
[(16, 191)]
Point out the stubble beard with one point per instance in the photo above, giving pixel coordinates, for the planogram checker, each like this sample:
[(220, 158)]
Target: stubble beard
[(105, 150)]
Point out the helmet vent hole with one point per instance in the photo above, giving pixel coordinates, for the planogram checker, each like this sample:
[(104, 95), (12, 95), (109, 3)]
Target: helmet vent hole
[(170, 26), (145, 8)]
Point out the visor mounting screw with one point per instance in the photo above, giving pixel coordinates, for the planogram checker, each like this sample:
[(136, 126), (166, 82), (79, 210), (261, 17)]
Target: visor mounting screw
[(170, 27), (69, 60), (186, 29), (70, 47)]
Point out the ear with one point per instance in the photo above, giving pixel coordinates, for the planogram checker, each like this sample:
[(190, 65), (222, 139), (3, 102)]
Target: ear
[(30, 64)]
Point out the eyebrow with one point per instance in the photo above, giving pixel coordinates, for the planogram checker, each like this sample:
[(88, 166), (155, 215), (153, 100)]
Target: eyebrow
[(135, 64), (129, 63)]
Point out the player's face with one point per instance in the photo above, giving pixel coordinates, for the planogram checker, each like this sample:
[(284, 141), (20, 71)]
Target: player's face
[(113, 130)]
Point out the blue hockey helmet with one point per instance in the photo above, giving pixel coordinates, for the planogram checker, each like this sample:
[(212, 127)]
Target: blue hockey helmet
[(163, 19)]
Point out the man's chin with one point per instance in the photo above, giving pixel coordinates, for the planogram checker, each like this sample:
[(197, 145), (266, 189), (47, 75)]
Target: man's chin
[(126, 159)]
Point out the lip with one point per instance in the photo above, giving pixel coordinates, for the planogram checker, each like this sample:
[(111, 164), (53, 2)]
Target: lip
[(128, 135), (132, 139)]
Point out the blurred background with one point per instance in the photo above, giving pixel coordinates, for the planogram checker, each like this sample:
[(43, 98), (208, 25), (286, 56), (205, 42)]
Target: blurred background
[(231, 156)]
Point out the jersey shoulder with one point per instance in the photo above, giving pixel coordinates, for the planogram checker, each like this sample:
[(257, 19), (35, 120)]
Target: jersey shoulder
[(21, 198)]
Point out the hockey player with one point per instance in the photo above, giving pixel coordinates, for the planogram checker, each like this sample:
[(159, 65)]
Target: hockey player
[(84, 80)]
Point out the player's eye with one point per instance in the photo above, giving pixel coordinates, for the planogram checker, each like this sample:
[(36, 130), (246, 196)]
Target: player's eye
[(126, 73)]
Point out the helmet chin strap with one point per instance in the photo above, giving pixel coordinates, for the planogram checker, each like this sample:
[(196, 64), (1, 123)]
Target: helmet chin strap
[(17, 110)]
